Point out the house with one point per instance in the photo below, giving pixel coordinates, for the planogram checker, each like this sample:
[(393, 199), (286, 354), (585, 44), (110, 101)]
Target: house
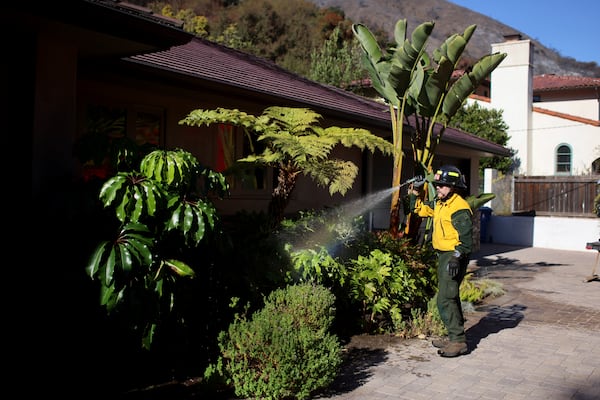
[(549, 117), (68, 59), (554, 127), (122, 58)]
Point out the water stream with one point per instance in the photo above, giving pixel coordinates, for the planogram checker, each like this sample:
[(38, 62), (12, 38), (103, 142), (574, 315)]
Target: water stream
[(342, 218)]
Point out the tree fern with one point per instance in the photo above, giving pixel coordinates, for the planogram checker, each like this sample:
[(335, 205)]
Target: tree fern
[(295, 143)]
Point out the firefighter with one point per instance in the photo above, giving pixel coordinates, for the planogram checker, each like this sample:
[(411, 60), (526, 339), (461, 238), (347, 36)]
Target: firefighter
[(452, 239)]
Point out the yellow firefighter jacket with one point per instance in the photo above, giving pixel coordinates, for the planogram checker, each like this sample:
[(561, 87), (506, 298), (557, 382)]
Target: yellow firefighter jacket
[(452, 223)]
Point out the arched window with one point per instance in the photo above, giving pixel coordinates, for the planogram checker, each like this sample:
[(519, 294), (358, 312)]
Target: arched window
[(563, 160), (596, 166)]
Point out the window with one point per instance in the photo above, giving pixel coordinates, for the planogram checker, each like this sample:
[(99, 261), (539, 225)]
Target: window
[(563, 160), (105, 131), (148, 126), (143, 125), (596, 166), (233, 144)]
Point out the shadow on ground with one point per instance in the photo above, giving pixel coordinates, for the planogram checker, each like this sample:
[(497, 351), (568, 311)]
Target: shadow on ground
[(355, 370), (496, 319)]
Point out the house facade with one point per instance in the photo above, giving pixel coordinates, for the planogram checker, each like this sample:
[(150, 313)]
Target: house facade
[(126, 61), (554, 128), (554, 121)]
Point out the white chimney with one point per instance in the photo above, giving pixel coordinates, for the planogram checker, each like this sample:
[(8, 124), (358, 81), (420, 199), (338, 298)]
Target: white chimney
[(512, 91)]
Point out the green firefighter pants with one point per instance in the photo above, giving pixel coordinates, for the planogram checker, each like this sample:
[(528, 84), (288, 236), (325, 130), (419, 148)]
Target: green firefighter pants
[(448, 297)]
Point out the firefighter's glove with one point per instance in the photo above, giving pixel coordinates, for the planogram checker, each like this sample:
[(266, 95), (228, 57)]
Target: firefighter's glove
[(454, 264), (418, 181)]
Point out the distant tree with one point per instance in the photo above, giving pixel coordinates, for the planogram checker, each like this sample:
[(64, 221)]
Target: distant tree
[(284, 32), (486, 123), (231, 37), (334, 63), (196, 24)]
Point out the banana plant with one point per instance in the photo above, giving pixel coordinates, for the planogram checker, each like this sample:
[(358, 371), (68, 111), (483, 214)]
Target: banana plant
[(420, 90), (391, 73), (154, 206)]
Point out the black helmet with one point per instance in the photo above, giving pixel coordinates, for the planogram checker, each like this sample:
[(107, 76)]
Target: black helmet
[(450, 176)]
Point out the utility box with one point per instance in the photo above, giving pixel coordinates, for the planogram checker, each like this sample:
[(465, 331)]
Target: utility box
[(484, 221)]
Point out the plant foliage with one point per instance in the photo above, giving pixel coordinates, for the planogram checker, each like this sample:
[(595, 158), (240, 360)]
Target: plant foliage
[(285, 350), (294, 144), (420, 90), (156, 208), (376, 278)]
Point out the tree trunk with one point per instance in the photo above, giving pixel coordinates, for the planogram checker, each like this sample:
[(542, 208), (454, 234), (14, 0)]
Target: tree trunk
[(280, 198)]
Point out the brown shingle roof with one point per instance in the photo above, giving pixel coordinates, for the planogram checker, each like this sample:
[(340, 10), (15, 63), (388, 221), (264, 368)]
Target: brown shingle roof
[(205, 60), (113, 17)]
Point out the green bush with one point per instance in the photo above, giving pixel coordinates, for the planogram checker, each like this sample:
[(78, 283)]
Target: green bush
[(377, 279), (285, 351)]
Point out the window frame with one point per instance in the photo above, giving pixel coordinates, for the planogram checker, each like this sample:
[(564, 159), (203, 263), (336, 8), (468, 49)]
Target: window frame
[(237, 188), (559, 163)]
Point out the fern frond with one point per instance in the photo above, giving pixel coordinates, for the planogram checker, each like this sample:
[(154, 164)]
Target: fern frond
[(337, 175), (295, 120), (360, 138)]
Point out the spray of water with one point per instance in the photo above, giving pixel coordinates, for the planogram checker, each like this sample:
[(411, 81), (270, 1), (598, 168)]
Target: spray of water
[(341, 220)]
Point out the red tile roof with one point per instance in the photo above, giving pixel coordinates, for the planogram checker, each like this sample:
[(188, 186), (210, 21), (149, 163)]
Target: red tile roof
[(557, 82), (207, 61)]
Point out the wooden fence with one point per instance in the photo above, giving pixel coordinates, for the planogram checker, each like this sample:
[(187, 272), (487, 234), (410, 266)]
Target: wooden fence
[(566, 196)]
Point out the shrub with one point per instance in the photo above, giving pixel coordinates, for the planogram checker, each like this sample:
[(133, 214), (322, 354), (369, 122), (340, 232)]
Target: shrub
[(473, 291), (285, 350), (422, 323), (377, 279)]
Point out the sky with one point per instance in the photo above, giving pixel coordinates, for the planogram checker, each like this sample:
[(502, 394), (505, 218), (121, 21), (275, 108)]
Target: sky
[(570, 27)]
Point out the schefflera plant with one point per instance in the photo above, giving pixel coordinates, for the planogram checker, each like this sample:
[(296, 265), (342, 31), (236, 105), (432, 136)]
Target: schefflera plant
[(161, 210)]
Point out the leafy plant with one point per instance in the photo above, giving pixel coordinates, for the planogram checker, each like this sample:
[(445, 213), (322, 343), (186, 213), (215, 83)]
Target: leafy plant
[(284, 351), (475, 290), (420, 91), (421, 323), (157, 209), (376, 278), (383, 286), (295, 144)]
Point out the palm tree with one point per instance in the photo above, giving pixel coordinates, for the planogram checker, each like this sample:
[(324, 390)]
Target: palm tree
[(295, 144)]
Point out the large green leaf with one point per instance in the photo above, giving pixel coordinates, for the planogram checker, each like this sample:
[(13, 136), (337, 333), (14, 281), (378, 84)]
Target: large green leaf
[(477, 201), (95, 262), (132, 247), (180, 268), (376, 62), (406, 59), (434, 89), (466, 84), (453, 47), (111, 187)]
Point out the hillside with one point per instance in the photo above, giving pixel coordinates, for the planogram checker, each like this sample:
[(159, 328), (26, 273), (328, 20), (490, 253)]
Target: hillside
[(451, 18)]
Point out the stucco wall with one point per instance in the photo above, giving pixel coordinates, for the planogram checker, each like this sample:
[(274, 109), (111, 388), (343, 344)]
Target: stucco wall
[(550, 132), (547, 232)]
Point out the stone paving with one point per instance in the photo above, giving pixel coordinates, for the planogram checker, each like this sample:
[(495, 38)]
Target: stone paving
[(540, 340)]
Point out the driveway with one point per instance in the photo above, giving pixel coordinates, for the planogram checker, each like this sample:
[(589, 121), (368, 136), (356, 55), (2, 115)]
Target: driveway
[(540, 340)]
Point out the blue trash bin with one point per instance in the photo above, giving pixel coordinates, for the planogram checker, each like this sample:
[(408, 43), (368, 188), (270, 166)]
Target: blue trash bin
[(484, 220)]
